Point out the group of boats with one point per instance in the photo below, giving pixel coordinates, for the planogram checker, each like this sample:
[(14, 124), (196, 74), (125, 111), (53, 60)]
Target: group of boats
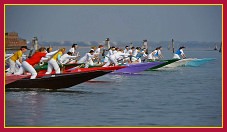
[(74, 74)]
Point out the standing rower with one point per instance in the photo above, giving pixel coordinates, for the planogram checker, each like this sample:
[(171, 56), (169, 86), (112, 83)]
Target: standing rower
[(66, 58), (179, 52), (28, 64), (156, 54), (110, 57), (87, 59), (52, 63), (16, 56), (73, 49)]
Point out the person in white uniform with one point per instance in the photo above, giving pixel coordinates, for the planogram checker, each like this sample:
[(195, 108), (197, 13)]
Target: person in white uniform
[(28, 64), (156, 54), (127, 53), (110, 52), (87, 59), (98, 53), (120, 55), (110, 58), (126, 50), (73, 49), (53, 62), (67, 58), (134, 54)]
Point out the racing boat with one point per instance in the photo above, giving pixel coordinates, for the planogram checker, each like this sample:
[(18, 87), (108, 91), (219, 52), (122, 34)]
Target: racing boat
[(178, 63), (165, 62), (79, 69), (43, 66), (126, 68), (54, 81), (137, 67), (189, 62)]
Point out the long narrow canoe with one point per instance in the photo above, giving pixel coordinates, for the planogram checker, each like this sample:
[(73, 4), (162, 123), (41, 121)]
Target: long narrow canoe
[(56, 81), (165, 62), (12, 78), (66, 66), (138, 67), (78, 69), (128, 68), (181, 62)]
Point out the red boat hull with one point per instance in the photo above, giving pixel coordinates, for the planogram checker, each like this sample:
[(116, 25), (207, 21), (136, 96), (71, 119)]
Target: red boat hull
[(56, 81), (73, 70)]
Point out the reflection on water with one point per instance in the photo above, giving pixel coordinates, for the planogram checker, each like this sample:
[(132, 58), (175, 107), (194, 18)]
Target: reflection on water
[(32, 109), (117, 78)]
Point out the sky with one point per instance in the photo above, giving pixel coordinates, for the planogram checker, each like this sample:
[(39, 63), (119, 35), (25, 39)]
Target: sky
[(119, 23)]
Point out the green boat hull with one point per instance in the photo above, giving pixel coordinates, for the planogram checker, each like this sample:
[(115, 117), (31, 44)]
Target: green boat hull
[(163, 64), (44, 66)]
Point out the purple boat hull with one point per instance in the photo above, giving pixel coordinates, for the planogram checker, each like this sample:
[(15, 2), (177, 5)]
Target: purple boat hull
[(139, 67)]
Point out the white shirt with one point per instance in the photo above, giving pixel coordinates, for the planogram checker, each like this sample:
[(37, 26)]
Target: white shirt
[(130, 51), (87, 57), (65, 58), (152, 54), (97, 51), (159, 52), (126, 51), (182, 52), (119, 55), (109, 53), (135, 52), (144, 54), (72, 50)]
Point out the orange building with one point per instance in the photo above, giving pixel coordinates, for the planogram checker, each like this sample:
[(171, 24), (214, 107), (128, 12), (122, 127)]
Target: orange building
[(12, 40)]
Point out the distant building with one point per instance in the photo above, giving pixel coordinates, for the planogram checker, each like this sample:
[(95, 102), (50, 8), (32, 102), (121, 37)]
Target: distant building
[(13, 41)]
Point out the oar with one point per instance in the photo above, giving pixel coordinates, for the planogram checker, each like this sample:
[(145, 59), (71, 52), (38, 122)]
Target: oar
[(71, 69), (173, 45), (9, 57)]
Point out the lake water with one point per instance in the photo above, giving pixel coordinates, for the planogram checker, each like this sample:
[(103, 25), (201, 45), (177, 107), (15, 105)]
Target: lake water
[(185, 96)]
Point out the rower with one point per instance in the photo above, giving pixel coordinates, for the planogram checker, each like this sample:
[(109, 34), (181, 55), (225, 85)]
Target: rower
[(28, 64), (155, 54), (49, 49), (98, 53), (52, 63), (159, 53), (87, 59), (120, 55), (179, 52), (127, 54), (73, 49), (67, 58), (16, 56), (141, 54), (110, 58), (134, 54)]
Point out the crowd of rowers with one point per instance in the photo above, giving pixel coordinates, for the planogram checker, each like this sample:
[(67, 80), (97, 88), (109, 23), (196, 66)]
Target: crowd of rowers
[(96, 56)]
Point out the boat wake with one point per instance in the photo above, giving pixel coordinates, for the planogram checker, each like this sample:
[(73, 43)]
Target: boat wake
[(199, 62)]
